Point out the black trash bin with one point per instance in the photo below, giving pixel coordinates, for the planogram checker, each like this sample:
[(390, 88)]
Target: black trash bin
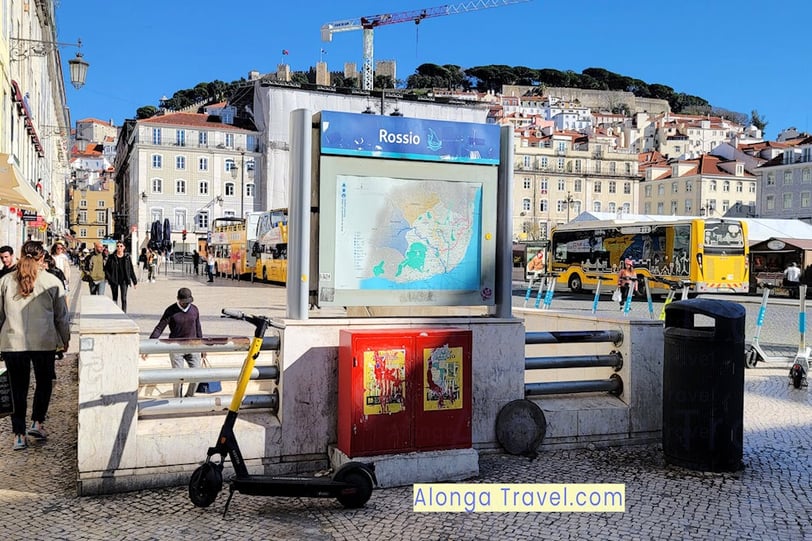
[(703, 385)]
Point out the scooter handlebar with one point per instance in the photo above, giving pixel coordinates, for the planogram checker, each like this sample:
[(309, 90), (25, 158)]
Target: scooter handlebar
[(233, 314)]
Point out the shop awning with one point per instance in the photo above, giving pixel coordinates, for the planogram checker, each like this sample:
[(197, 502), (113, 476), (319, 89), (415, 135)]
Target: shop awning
[(15, 191)]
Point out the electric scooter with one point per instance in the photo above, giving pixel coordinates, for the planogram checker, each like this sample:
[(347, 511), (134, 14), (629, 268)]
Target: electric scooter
[(800, 364), (351, 485)]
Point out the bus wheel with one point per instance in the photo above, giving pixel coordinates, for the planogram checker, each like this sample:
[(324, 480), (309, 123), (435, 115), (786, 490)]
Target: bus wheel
[(575, 283)]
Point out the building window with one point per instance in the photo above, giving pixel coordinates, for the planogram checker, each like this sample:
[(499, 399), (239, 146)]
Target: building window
[(726, 186), (660, 207), (561, 185), (596, 206), (628, 168), (525, 162), (180, 138), (83, 203), (157, 161), (712, 185), (101, 232), (770, 179), (612, 167), (627, 188), (647, 207), (229, 188), (157, 185), (739, 187), (806, 176), (526, 183), (689, 186), (180, 186), (180, 162), (156, 136), (203, 164), (83, 232), (543, 205), (229, 165), (626, 208), (597, 166), (612, 186), (202, 220), (752, 188), (674, 207), (81, 217), (100, 203), (597, 186), (543, 186), (661, 189), (611, 207), (249, 189), (674, 187), (770, 202), (544, 162), (203, 187), (157, 215), (560, 205), (203, 138), (787, 178), (180, 219), (577, 185), (229, 140), (577, 166), (526, 206), (689, 205), (805, 199), (787, 200), (725, 205), (101, 216), (647, 190)]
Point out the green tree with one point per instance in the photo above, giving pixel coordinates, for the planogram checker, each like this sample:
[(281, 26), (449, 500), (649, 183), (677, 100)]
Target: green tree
[(146, 111), (759, 121)]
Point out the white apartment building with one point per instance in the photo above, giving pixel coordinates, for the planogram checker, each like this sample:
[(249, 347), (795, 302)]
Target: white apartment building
[(35, 125), (182, 167), (558, 176), (786, 184), (706, 186)]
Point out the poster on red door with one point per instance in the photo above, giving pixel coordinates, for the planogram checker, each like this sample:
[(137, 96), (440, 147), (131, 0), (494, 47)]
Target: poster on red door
[(442, 378), (384, 381)]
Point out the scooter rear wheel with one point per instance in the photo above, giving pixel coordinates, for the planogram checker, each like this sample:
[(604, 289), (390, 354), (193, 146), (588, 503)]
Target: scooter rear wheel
[(363, 488), (205, 484)]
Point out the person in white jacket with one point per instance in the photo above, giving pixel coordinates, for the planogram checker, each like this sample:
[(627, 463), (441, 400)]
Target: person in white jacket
[(33, 326), (62, 262)]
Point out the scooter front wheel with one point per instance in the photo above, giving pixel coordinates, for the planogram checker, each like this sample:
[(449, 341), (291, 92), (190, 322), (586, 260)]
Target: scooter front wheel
[(751, 358), (796, 374), (205, 484)]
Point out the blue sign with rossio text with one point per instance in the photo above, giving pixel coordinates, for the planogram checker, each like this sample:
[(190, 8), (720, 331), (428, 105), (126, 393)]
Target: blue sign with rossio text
[(378, 136)]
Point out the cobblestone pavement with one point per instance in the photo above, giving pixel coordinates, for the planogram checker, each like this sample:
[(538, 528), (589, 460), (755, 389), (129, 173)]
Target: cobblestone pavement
[(769, 499)]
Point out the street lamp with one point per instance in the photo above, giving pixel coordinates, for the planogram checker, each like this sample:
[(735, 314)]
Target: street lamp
[(22, 48), (242, 181), (569, 202)]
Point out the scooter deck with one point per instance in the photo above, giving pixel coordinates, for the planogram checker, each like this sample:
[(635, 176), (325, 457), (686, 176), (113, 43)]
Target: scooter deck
[(268, 485)]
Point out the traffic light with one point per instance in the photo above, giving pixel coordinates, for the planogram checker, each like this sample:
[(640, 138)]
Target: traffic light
[(183, 234)]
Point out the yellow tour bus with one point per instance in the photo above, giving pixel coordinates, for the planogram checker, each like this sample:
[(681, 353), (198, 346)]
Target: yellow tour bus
[(271, 246), (711, 254), (229, 242)]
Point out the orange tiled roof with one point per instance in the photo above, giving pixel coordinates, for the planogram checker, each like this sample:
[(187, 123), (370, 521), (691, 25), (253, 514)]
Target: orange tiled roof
[(95, 121), (197, 120)]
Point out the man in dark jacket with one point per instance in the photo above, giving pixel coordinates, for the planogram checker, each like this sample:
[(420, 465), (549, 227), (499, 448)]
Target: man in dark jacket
[(183, 319), (119, 272)]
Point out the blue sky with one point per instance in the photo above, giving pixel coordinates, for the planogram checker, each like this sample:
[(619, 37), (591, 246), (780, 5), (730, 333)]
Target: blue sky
[(737, 54)]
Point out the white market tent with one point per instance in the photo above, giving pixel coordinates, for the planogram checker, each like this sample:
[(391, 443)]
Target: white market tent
[(758, 229)]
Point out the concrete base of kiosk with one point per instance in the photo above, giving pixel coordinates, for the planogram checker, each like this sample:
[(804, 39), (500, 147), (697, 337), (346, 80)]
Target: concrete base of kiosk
[(418, 467)]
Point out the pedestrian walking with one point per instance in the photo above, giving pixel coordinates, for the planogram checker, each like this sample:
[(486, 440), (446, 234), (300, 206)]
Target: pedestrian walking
[(121, 274), (94, 270), (196, 261), (210, 266), (152, 264), (61, 261), (33, 326), (183, 319), (625, 278)]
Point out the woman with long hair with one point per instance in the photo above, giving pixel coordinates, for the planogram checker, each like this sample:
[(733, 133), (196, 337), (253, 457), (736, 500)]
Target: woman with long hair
[(33, 325)]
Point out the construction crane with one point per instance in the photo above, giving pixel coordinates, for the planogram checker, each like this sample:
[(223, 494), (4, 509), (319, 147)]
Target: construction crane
[(368, 24)]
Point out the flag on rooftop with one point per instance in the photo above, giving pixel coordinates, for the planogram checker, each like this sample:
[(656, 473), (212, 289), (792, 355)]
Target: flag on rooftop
[(285, 52)]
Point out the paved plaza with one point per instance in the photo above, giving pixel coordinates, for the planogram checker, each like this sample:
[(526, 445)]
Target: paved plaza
[(771, 498)]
